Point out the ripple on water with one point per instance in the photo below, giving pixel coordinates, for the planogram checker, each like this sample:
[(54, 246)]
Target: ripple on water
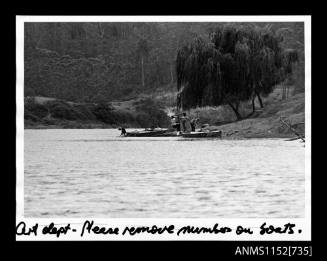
[(204, 198)]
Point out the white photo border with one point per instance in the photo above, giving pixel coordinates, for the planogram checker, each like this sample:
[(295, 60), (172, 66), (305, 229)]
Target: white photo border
[(302, 223)]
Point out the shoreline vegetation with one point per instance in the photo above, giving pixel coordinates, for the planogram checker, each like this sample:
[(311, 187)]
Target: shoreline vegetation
[(264, 123), (51, 113), (143, 112), (245, 79)]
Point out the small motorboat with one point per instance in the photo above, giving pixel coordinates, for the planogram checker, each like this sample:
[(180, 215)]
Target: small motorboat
[(202, 134), (158, 132)]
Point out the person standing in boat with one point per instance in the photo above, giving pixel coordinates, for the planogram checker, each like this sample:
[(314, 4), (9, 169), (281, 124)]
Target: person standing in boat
[(194, 122), (185, 123), (175, 122)]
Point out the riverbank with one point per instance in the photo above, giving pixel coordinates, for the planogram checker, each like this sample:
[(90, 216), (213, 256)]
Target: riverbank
[(266, 123), (48, 113)]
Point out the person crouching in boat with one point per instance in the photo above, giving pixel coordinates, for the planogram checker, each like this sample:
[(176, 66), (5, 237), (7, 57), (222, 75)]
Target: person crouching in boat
[(123, 131)]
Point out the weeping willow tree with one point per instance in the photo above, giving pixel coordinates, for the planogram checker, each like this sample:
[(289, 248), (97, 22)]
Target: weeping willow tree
[(238, 64), (269, 62), (236, 77), (290, 58), (198, 75)]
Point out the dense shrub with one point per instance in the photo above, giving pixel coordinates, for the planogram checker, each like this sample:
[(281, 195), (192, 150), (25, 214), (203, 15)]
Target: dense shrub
[(123, 117), (151, 114), (35, 109), (104, 113), (84, 112), (144, 120), (49, 121), (30, 116), (62, 110), (298, 78)]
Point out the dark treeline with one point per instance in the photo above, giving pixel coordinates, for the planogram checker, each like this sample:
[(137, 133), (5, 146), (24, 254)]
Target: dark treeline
[(99, 62)]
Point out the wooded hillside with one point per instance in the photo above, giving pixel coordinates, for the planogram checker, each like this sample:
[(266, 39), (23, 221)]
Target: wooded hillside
[(100, 62)]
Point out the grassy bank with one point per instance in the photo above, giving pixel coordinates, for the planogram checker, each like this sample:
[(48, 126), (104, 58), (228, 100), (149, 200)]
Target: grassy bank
[(265, 123), (42, 112), (150, 110)]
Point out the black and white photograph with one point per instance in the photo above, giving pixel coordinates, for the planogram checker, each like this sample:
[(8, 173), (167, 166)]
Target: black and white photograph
[(168, 118)]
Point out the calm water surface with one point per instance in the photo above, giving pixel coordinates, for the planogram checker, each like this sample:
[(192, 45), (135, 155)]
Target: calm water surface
[(94, 173)]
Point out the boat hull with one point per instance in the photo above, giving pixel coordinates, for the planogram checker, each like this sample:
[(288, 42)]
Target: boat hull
[(210, 134), (166, 133), (157, 133)]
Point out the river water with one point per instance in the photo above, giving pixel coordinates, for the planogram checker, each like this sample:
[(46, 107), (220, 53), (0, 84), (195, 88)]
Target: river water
[(94, 173)]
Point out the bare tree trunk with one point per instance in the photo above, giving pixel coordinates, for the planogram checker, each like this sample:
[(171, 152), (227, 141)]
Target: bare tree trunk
[(142, 70), (235, 109), (253, 104), (171, 74), (284, 92), (237, 105), (101, 30), (158, 72), (259, 98), (253, 107)]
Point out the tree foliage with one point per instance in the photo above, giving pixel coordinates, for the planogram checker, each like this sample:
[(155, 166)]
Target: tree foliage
[(97, 62), (100, 61), (237, 64)]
